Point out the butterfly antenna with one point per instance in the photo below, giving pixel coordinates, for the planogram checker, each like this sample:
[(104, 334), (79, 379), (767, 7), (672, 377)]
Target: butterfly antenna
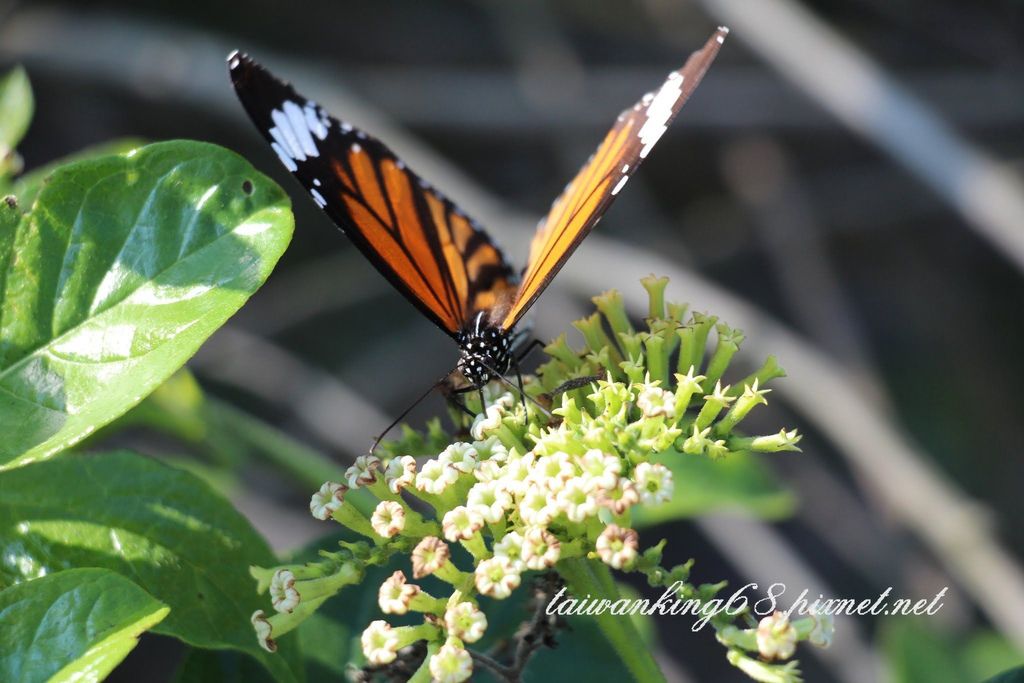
[(435, 385)]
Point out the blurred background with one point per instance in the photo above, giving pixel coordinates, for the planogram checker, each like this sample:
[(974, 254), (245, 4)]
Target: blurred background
[(845, 186)]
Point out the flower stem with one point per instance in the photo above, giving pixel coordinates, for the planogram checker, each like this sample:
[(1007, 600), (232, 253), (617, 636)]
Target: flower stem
[(585, 576)]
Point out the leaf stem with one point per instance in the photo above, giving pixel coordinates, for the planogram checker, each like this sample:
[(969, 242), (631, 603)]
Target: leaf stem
[(584, 577)]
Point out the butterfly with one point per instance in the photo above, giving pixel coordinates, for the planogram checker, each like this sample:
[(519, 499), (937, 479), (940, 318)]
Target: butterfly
[(437, 257)]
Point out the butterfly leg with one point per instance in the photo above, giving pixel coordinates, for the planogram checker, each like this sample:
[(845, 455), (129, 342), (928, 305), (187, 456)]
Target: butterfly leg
[(519, 381), (452, 395)]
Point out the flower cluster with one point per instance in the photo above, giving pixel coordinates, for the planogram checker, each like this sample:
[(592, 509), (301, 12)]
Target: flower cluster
[(536, 483)]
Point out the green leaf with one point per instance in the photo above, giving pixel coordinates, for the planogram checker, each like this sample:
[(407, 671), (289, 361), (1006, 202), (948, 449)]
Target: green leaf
[(164, 528), (1011, 676), (738, 481), (75, 625), (27, 186), (914, 652), (16, 105), (124, 266)]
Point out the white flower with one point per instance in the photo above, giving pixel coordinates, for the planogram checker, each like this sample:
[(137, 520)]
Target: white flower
[(328, 499), (824, 628), (620, 498), (395, 594), (388, 518), (363, 472), (490, 500), (490, 449), (461, 456), (461, 523), (283, 595), (540, 548), (487, 422), (400, 472), (653, 482), (496, 577), (617, 547), (553, 470), (464, 621), (488, 470), (600, 469), (511, 547), (435, 476), (515, 473), (428, 556), (776, 637), (654, 401), (263, 631), (576, 500), (451, 664), (380, 643), (535, 507)]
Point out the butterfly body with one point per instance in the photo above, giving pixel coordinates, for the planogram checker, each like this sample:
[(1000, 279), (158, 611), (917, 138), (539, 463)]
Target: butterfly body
[(439, 259), (485, 351)]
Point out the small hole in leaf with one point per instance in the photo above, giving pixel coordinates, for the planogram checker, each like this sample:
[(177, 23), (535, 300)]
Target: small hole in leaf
[(247, 186)]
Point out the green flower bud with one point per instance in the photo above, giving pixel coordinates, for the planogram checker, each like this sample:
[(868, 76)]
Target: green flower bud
[(750, 397), (783, 441), (728, 344), (713, 404), (655, 287), (611, 305)]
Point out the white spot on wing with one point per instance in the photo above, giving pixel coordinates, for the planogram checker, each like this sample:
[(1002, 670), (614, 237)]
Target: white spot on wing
[(356, 148), (659, 111), (318, 198), (313, 122), (619, 185), (316, 181), (288, 162), (301, 128), (285, 136)]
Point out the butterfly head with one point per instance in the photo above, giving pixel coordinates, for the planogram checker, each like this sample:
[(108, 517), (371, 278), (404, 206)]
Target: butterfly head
[(485, 351)]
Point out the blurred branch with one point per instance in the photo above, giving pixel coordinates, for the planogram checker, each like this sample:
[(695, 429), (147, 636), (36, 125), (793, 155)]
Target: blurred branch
[(829, 68)]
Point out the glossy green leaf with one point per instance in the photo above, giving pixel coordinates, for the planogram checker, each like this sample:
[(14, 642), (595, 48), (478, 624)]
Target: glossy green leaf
[(16, 106), (164, 528), (75, 625), (28, 185), (123, 267), (736, 482)]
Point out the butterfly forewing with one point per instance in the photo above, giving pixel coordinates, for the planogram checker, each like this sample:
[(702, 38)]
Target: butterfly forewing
[(418, 239), (587, 197)]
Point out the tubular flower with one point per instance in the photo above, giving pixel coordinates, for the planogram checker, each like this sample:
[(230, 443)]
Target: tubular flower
[(388, 518), (618, 547), (395, 594), (380, 643), (451, 664), (328, 499), (428, 556)]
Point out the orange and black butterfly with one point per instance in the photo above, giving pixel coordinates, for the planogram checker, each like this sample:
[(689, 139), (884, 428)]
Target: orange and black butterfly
[(441, 260)]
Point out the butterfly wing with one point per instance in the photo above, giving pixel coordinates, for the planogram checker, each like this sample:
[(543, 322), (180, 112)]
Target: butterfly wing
[(578, 209), (435, 255)]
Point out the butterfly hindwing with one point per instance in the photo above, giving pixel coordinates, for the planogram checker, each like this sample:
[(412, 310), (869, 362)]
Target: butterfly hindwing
[(419, 240), (578, 209)]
